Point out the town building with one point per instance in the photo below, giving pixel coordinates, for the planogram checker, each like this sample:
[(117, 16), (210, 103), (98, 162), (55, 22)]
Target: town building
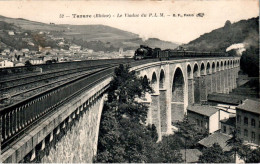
[(18, 64), (248, 121), (206, 117), (228, 125), (221, 139), (44, 49), (218, 138), (5, 63), (75, 48), (7, 50), (45, 58), (30, 43), (217, 98), (35, 61), (11, 33), (25, 50)]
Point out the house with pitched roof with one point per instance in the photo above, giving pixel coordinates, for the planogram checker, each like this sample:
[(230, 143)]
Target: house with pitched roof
[(206, 117), (218, 138), (248, 121)]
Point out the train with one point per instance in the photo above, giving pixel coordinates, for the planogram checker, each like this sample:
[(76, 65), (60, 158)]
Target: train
[(145, 52)]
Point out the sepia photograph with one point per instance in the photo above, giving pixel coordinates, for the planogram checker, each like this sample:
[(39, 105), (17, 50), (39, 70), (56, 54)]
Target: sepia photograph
[(127, 81)]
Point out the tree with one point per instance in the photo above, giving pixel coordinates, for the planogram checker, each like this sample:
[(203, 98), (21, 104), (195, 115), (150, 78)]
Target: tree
[(109, 149), (214, 154), (169, 150), (28, 63), (123, 91), (123, 136), (244, 152), (253, 156), (189, 133), (235, 143), (250, 61), (249, 155)]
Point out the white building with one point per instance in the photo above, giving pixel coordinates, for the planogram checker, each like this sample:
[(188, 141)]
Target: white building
[(30, 43), (19, 64), (10, 33), (36, 61), (75, 48), (25, 50), (7, 50), (206, 117), (6, 63)]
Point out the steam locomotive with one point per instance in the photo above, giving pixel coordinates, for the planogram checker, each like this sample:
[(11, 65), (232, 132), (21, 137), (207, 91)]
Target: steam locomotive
[(145, 52)]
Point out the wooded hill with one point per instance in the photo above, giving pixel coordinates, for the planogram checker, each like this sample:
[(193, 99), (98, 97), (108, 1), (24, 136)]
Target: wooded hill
[(244, 31)]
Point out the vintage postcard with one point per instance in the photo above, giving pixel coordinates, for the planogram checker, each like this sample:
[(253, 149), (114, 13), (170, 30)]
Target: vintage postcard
[(167, 81)]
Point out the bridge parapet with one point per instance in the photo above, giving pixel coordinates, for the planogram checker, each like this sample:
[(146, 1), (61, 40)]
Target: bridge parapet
[(31, 121)]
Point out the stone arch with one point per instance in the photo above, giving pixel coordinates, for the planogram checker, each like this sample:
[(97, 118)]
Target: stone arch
[(225, 64), (196, 72), (228, 64), (202, 69), (213, 78), (196, 90), (146, 81), (231, 64), (208, 70), (154, 83), (162, 80), (221, 65), (178, 89), (218, 66), (190, 84), (189, 72), (213, 67)]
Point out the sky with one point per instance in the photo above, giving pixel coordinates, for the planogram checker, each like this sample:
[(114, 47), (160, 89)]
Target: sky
[(180, 29)]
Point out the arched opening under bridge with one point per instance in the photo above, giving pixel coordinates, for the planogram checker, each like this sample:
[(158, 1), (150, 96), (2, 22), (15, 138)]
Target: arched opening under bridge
[(190, 85), (177, 102), (196, 84), (162, 80), (154, 83), (163, 101)]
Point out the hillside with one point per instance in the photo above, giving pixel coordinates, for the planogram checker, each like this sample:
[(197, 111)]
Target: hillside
[(244, 31), (241, 37), (31, 25), (96, 37)]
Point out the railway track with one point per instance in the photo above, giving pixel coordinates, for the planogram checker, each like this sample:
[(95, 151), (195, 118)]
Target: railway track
[(18, 89), (24, 93), (27, 79)]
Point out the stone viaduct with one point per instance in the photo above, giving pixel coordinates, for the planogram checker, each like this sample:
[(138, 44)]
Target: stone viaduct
[(176, 84), (179, 83)]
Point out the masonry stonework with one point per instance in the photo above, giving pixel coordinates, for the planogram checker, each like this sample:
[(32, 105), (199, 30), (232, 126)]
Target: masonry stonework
[(163, 114), (219, 76)]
